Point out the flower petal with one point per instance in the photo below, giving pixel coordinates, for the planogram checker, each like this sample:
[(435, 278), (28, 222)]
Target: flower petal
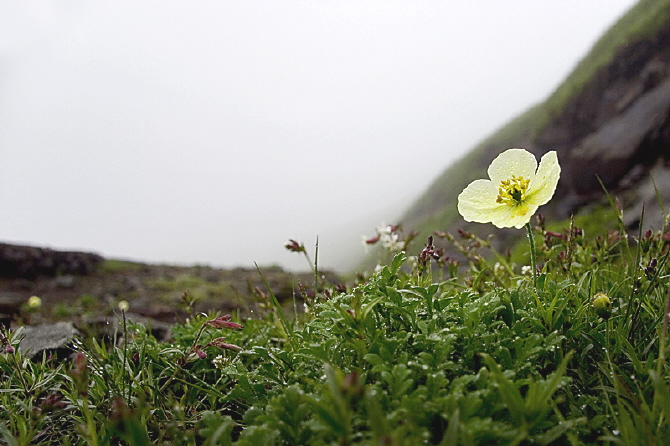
[(518, 162), (543, 185), (507, 217), (478, 201)]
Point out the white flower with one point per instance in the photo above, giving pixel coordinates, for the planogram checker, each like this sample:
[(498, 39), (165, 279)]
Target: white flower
[(219, 362), (389, 239), (516, 189)]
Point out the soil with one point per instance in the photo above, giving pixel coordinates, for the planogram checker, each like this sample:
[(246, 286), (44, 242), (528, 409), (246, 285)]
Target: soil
[(161, 292)]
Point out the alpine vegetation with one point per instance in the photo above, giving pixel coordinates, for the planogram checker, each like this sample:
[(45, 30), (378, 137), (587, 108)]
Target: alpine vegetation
[(454, 344)]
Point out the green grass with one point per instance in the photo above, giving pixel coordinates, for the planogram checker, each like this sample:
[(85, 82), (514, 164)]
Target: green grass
[(411, 355), (118, 266)]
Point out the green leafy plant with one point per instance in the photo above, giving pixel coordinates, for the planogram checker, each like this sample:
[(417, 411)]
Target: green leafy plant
[(423, 351)]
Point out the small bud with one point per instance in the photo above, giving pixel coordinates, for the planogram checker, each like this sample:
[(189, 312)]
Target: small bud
[(294, 246), (79, 373), (195, 354), (465, 234), (650, 269), (52, 402), (223, 322), (222, 344), (34, 302), (120, 411), (602, 304), (370, 240)]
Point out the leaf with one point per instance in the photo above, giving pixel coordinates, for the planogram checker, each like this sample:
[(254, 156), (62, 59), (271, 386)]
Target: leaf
[(451, 435), (508, 391)]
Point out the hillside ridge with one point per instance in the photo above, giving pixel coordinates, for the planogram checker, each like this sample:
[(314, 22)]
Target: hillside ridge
[(609, 121)]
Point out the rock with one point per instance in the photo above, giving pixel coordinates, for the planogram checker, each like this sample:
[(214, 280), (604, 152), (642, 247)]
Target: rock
[(10, 305), (645, 198), (617, 128), (618, 146), (55, 339), (29, 262), (66, 281), (160, 330), (112, 326)]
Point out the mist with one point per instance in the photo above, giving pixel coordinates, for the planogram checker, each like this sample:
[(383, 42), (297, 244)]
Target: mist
[(211, 132)]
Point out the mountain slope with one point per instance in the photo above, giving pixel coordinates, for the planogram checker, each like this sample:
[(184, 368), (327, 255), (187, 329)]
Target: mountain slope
[(610, 119)]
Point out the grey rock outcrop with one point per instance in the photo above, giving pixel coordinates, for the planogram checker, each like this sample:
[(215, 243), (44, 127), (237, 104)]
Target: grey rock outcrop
[(617, 129), (29, 262), (51, 338)]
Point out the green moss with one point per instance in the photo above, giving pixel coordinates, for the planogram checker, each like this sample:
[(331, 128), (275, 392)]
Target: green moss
[(118, 266), (198, 288)]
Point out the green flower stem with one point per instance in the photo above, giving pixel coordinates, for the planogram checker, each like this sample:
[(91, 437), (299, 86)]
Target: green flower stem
[(181, 361), (533, 259)]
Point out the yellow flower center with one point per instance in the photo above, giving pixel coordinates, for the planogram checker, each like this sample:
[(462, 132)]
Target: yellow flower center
[(512, 192)]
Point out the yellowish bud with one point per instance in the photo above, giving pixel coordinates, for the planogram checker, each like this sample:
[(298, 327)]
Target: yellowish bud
[(34, 302), (602, 304)]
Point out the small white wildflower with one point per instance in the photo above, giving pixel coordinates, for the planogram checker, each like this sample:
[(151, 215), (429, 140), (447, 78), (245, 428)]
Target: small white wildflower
[(219, 362), (526, 270), (498, 269), (378, 268), (391, 241), (384, 229), (413, 260), (123, 305)]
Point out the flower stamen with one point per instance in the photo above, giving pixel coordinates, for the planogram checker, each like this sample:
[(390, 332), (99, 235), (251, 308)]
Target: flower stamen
[(512, 192)]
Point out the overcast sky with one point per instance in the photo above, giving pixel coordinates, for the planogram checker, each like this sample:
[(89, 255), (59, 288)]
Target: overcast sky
[(213, 131)]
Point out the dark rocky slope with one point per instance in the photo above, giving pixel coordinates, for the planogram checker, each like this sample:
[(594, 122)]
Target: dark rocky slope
[(83, 287), (617, 129)]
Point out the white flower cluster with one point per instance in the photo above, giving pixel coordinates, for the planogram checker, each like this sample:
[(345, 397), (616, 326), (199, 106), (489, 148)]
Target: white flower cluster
[(219, 362), (389, 238)]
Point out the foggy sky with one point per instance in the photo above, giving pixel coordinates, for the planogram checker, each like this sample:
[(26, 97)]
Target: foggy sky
[(211, 132)]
